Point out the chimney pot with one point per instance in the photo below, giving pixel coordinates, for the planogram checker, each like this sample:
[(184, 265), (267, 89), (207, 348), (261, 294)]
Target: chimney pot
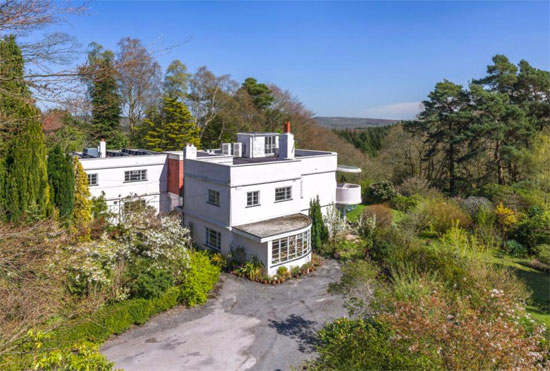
[(287, 127)]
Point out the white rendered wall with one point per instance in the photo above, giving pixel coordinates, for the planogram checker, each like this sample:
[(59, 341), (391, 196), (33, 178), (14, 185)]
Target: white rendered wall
[(110, 179)]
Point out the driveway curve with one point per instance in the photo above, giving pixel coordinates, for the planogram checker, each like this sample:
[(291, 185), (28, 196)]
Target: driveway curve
[(245, 326)]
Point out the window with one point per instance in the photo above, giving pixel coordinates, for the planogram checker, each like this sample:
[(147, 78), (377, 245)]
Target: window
[(213, 197), (253, 198), (133, 206), (92, 179), (213, 239), (269, 145), (290, 248), (283, 194), (135, 176)]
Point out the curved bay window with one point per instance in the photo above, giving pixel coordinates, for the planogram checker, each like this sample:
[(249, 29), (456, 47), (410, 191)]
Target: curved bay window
[(290, 248)]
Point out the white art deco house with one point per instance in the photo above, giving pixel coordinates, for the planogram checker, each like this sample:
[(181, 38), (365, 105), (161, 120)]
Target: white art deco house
[(255, 194)]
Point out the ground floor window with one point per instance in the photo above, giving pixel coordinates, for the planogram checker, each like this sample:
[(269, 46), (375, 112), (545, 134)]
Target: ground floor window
[(290, 248), (213, 239)]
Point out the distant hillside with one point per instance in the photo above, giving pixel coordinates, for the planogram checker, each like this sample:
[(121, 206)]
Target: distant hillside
[(352, 122)]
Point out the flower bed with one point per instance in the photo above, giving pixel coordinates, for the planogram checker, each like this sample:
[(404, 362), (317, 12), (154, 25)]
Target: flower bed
[(283, 274)]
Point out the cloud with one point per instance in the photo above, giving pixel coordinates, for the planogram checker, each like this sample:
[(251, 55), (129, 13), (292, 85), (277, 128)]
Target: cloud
[(397, 111)]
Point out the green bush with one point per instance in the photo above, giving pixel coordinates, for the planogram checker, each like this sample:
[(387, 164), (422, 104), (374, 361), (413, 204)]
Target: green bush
[(111, 320), (379, 192), (356, 344), (82, 356), (404, 203), (515, 249), (149, 283), (349, 250), (442, 215), (543, 254), (533, 229), (199, 278)]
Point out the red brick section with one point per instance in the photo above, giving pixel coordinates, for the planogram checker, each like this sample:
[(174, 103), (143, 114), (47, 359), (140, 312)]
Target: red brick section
[(175, 175)]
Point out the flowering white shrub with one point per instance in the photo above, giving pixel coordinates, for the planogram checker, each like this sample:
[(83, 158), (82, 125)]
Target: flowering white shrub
[(163, 241), (336, 225)]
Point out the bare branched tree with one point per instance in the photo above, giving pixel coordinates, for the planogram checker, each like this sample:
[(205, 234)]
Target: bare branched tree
[(139, 79), (205, 95)]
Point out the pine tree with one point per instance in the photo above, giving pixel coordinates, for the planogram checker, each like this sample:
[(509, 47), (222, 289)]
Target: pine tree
[(101, 78), (319, 231), (24, 191), (445, 122), (82, 213), (172, 128), (61, 180)]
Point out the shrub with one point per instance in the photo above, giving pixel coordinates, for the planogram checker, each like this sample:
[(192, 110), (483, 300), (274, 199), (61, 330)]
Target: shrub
[(319, 230), (380, 192), (515, 249), (380, 213), (458, 337), (543, 254), (80, 356), (149, 282), (404, 203), (356, 344), (474, 205), (532, 229), (282, 272), (253, 268), (349, 250), (199, 278), (441, 215), (415, 186)]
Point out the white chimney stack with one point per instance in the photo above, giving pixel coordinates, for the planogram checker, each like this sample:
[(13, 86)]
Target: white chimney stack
[(286, 144), (102, 149), (190, 151)]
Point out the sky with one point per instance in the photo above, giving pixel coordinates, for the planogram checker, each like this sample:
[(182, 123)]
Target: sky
[(357, 59)]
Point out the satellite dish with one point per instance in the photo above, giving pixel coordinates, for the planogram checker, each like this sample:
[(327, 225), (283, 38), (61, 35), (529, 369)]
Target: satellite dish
[(348, 169)]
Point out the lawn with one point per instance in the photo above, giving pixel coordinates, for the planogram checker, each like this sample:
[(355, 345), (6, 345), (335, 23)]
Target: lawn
[(352, 215), (539, 284)]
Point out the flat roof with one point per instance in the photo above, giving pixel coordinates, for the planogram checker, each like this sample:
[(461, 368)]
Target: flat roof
[(276, 226), (259, 134)]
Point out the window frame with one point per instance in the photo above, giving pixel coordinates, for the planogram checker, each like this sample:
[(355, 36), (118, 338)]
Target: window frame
[(290, 248), (250, 198), (93, 175), (269, 149), (142, 175), (215, 199), (218, 238), (287, 193)]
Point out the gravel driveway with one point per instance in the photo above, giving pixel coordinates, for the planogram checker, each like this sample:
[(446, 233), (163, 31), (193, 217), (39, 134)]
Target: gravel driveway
[(246, 326)]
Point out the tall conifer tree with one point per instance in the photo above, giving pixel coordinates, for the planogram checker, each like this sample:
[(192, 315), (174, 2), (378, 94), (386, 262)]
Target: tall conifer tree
[(172, 128), (61, 179), (24, 190)]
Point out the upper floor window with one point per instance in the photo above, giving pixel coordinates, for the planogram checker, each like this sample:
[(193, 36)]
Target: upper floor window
[(135, 176), (213, 197), (92, 179), (283, 194), (213, 239), (253, 198), (270, 145)]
